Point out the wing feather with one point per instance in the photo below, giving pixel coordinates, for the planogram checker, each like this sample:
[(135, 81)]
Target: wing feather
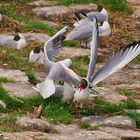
[(117, 62), (93, 49), (53, 45)]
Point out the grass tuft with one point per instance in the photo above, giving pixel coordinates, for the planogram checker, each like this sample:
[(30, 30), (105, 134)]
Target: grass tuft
[(117, 5), (135, 116), (58, 112), (6, 80), (125, 92)]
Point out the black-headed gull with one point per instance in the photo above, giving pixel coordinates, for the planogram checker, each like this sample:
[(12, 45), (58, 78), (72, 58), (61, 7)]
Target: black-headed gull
[(117, 61), (16, 41)]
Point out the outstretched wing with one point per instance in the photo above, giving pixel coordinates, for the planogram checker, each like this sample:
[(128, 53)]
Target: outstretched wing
[(53, 45), (93, 50), (117, 61)]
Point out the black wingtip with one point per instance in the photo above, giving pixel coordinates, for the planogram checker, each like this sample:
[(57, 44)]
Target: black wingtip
[(77, 15), (84, 14)]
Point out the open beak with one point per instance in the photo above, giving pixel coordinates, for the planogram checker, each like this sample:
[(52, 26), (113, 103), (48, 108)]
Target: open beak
[(81, 88)]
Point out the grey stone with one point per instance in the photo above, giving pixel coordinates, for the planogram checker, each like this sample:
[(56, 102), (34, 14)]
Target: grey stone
[(109, 95), (133, 2), (16, 75), (124, 134), (73, 132), (20, 90), (137, 12), (39, 37), (34, 124), (132, 110), (40, 76), (93, 120), (41, 3), (63, 12), (120, 122)]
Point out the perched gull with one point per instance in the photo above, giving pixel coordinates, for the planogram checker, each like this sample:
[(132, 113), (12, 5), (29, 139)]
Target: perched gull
[(101, 14), (117, 61), (37, 56), (16, 41), (83, 30), (56, 70)]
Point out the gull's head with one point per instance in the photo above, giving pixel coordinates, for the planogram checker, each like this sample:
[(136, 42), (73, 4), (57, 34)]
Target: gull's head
[(83, 84), (99, 8), (16, 37), (36, 50), (36, 55)]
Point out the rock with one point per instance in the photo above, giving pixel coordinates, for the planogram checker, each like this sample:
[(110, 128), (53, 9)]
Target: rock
[(61, 13), (115, 79), (110, 95), (132, 110), (41, 3), (40, 76), (120, 122), (124, 134), (73, 132), (39, 37), (2, 104), (24, 135), (137, 12), (20, 90), (93, 120), (133, 2), (34, 124), (16, 75), (132, 87)]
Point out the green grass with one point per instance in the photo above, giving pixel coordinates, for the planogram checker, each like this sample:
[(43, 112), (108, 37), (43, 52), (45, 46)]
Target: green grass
[(11, 103), (80, 65), (58, 112), (6, 80), (135, 116), (29, 24), (84, 124), (70, 43), (117, 5), (101, 107), (31, 77), (125, 92), (7, 122), (136, 60)]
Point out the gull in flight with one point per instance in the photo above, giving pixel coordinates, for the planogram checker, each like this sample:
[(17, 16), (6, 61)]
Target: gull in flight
[(56, 70), (16, 41), (116, 62)]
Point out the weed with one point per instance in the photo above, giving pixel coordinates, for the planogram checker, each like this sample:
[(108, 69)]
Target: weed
[(135, 116)]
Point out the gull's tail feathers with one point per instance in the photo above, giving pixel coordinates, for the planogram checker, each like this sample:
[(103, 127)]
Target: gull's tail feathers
[(46, 88)]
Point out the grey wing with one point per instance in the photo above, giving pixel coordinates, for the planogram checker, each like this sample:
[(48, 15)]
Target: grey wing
[(117, 61), (53, 45), (93, 49), (83, 31), (61, 72)]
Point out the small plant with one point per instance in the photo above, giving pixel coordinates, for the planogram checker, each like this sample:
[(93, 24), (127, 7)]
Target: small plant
[(125, 92), (58, 112), (32, 78), (135, 116), (70, 43), (94, 127), (6, 80), (84, 124)]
